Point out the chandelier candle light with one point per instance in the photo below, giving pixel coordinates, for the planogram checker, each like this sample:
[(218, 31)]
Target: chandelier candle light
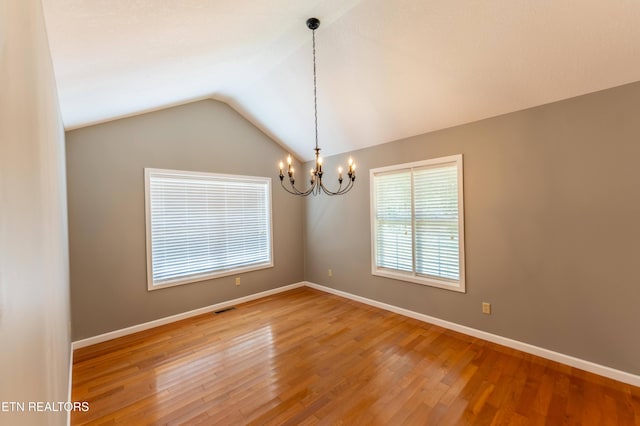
[(316, 186)]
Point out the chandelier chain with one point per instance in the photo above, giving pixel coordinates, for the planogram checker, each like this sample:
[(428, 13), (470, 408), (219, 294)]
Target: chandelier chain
[(315, 89)]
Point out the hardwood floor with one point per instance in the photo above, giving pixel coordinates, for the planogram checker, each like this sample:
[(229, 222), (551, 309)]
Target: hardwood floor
[(305, 357)]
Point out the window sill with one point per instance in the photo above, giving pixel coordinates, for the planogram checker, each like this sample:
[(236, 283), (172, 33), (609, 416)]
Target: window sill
[(457, 286), (209, 276)]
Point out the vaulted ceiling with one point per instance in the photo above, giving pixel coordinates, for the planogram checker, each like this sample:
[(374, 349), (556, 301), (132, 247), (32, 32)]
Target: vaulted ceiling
[(387, 69)]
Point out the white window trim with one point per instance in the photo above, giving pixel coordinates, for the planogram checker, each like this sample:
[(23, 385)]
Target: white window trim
[(460, 285), (206, 276)]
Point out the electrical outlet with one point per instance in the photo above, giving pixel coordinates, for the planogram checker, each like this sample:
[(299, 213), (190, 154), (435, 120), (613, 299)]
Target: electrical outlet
[(238, 281), (330, 272), (486, 308)]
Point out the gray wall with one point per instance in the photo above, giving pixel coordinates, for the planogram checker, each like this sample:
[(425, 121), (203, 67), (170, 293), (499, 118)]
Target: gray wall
[(107, 221), (552, 227), (34, 280)]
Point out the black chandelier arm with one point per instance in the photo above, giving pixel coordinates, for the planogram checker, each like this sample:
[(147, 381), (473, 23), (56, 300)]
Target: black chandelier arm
[(340, 189), (317, 187), (294, 190)]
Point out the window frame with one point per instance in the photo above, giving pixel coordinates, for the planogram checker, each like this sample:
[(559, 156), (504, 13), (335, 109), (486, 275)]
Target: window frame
[(413, 277), (211, 274)]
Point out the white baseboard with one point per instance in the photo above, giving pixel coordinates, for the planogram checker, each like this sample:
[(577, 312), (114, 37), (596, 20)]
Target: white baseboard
[(621, 376), (166, 320)]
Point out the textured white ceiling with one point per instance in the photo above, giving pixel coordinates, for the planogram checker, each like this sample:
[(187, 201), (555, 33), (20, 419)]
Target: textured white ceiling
[(386, 69)]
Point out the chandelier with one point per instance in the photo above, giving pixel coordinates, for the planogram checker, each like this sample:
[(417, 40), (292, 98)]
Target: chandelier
[(316, 184)]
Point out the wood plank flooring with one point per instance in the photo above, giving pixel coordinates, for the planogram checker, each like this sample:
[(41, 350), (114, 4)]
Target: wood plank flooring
[(305, 357)]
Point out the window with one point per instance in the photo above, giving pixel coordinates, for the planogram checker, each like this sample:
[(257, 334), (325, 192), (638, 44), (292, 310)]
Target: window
[(417, 222), (203, 225)]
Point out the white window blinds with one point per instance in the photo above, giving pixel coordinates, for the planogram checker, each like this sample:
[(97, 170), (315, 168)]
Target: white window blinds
[(417, 224), (436, 221), (394, 233), (202, 225)]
